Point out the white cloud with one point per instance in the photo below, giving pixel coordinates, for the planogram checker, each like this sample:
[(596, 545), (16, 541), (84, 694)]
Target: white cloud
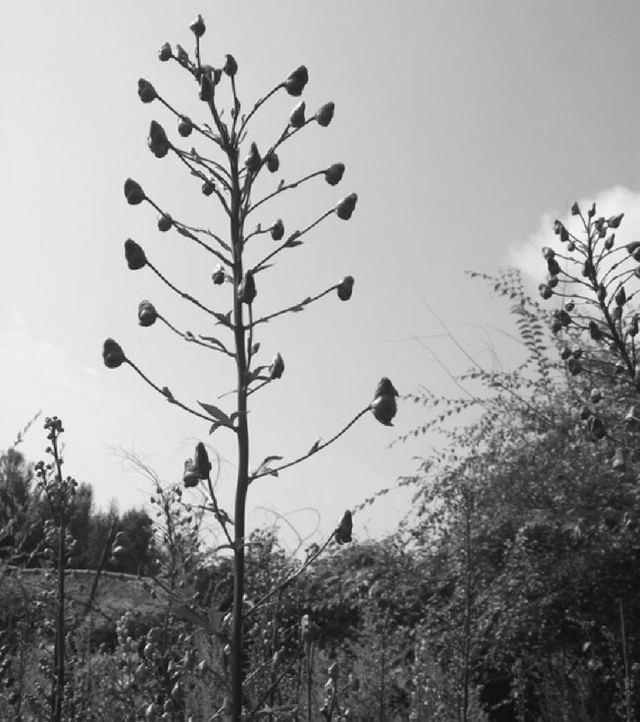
[(526, 255)]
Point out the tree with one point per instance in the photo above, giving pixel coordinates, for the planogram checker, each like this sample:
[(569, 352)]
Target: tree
[(230, 181)]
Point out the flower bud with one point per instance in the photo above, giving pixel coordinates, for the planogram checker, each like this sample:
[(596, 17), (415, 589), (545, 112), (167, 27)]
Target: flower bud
[(595, 395), (597, 428), (324, 115), (615, 221), (185, 126), (198, 27), (157, 141), (202, 463), (133, 192), (276, 369), (230, 66), (345, 208), (585, 413), (146, 91), (548, 253), (112, 354), (545, 291), (207, 188), (206, 88), (574, 367), (296, 119), (218, 275), (565, 353), (345, 288), (277, 230), (147, 313), (247, 289), (385, 388), (384, 406), (165, 52), (190, 476), (575, 210), (595, 331), (134, 254), (345, 528), (632, 247), (253, 160), (273, 162), (294, 84), (181, 55), (621, 296), (333, 174), (553, 266), (165, 222)]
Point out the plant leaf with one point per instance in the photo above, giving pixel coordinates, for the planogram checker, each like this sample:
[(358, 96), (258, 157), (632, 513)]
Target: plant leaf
[(216, 413)]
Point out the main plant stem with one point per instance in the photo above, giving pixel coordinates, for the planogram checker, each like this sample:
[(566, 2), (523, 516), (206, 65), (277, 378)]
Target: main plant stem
[(243, 444)]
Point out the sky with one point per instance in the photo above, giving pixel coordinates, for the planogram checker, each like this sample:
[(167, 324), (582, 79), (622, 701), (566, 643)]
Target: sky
[(466, 128)]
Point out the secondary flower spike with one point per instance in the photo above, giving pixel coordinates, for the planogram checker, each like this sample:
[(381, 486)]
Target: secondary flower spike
[(112, 354), (384, 406)]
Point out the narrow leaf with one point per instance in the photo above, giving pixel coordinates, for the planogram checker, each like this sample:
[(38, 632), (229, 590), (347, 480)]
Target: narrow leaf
[(216, 413)]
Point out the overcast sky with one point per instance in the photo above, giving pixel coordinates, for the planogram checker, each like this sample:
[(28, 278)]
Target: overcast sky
[(465, 127)]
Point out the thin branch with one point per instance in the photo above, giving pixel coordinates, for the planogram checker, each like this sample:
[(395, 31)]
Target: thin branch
[(188, 336), (294, 308), (282, 189)]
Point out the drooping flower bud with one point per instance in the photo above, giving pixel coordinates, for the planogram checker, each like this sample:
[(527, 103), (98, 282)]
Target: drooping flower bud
[(548, 253), (384, 406), (621, 296), (333, 174), (273, 162), (324, 114), (346, 206), (277, 230), (146, 91), (185, 126), (247, 289), (595, 331), (112, 354), (345, 288), (198, 27), (190, 476), (565, 353), (344, 529), (574, 367), (133, 192), (164, 222), (545, 291), (218, 275), (165, 52), (553, 266), (134, 255), (296, 119), (206, 88), (615, 221), (147, 314), (294, 84), (157, 141), (276, 369), (253, 160), (202, 463), (585, 413), (207, 188), (230, 66)]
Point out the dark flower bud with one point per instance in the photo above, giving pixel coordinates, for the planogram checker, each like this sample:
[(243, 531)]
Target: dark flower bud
[(577, 353), (553, 266), (563, 317), (556, 326), (165, 52), (112, 354), (181, 55), (206, 88), (588, 271), (324, 115), (190, 476), (595, 331), (557, 227), (134, 254), (552, 281), (147, 313), (585, 413), (253, 160), (296, 119), (346, 206), (158, 142), (167, 393), (185, 126), (621, 296), (545, 291), (230, 66), (575, 210), (333, 174), (548, 253), (207, 188), (569, 305), (592, 211), (218, 275), (146, 91), (277, 230), (276, 369), (597, 428), (294, 84), (574, 366), (616, 313), (165, 222), (385, 388), (273, 162), (384, 409), (595, 395), (247, 289), (608, 243), (565, 353), (133, 192), (631, 329), (615, 221), (198, 27), (344, 529), (345, 288), (202, 463)]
